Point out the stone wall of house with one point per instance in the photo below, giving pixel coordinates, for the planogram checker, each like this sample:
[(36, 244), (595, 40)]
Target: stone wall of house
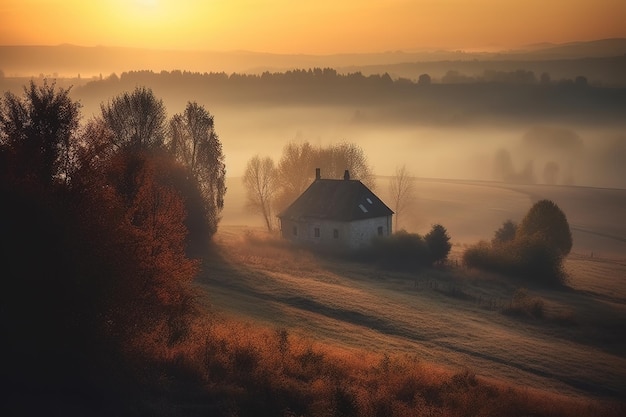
[(362, 231), (334, 234)]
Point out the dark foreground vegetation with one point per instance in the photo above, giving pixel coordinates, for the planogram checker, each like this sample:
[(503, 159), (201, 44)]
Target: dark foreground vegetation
[(99, 314)]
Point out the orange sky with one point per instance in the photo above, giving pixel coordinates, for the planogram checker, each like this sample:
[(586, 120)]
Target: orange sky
[(309, 26)]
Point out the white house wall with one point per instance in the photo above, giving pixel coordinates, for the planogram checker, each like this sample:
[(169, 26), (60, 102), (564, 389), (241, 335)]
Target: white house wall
[(362, 231), (351, 235)]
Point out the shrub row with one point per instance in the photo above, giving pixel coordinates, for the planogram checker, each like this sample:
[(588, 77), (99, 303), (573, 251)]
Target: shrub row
[(531, 259), (408, 251)]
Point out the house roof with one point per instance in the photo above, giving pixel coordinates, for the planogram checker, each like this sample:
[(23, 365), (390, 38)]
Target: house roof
[(339, 200)]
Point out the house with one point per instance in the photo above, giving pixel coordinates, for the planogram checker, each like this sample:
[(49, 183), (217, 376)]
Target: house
[(336, 214)]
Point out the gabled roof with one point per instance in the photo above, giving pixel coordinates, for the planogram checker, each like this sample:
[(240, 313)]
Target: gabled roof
[(339, 200)]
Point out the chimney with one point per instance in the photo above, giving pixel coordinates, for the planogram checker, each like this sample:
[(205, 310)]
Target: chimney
[(317, 174), (346, 175)]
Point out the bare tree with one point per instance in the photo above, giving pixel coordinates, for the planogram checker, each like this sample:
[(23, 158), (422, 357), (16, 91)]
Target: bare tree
[(296, 168), (295, 171), (402, 190), (136, 119), (195, 143), (335, 159), (260, 182)]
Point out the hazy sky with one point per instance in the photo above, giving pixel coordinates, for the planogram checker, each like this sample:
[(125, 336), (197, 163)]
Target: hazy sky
[(309, 26)]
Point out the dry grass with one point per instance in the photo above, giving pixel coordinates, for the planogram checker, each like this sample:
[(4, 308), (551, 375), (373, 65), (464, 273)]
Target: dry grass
[(251, 370), (442, 322), (447, 316)]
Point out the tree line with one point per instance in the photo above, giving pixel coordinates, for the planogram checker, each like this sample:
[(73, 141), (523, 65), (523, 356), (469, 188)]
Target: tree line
[(331, 75), (454, 98), (102, 225)]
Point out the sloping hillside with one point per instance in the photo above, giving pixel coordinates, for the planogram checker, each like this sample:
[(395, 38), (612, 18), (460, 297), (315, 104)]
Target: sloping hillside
[(453, 317)]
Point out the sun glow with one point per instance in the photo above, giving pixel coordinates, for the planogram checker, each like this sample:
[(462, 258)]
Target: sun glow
[(146, 8), (322, 26), (147, 3)]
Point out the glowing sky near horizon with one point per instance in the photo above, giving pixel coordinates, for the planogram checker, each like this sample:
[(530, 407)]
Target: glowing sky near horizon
[(309, 26)]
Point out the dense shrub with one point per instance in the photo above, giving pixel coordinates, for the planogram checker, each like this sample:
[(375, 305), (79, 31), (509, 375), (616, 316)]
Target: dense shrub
[(529, 259), (548, 221), (402, 250), (505, 233), (534, 251), (438, 242)]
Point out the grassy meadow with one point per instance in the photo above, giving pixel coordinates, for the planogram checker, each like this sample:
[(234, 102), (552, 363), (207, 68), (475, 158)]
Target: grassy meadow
[(562, 343)]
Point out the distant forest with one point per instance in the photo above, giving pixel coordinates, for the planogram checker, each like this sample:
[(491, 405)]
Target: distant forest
[(456, 99)]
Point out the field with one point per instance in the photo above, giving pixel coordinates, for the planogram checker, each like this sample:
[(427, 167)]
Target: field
[(452, 318)]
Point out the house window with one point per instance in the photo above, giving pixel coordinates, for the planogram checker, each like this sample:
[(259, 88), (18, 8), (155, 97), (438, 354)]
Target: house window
[(295, 230), (316, 232), (380, 230), (362, 207), (336, 233)]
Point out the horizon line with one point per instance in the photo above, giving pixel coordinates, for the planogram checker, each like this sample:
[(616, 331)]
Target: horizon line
[(416, 50)]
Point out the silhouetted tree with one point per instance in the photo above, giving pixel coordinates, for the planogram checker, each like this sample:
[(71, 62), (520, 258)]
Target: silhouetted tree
[(424, 79), (106, 279), (402, 189), (455, 77), (259, 180), (545, 79), (148, 292), (93, 149), (194, 142), (136, 119), (547, 221), (506, 233), (438, 242), (36, 132)]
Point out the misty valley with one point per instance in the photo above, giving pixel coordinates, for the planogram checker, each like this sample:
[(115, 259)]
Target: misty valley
[(147, 272), (515, 126)]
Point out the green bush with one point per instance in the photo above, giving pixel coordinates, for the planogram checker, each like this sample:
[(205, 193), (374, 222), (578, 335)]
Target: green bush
[(505, 233), (533, 251), (401, 251), (539, 261), (438, 242), (546, 221), (530, 259)]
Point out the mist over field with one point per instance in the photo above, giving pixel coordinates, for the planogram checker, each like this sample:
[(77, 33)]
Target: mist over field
[(528, 133), (547, 114)]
